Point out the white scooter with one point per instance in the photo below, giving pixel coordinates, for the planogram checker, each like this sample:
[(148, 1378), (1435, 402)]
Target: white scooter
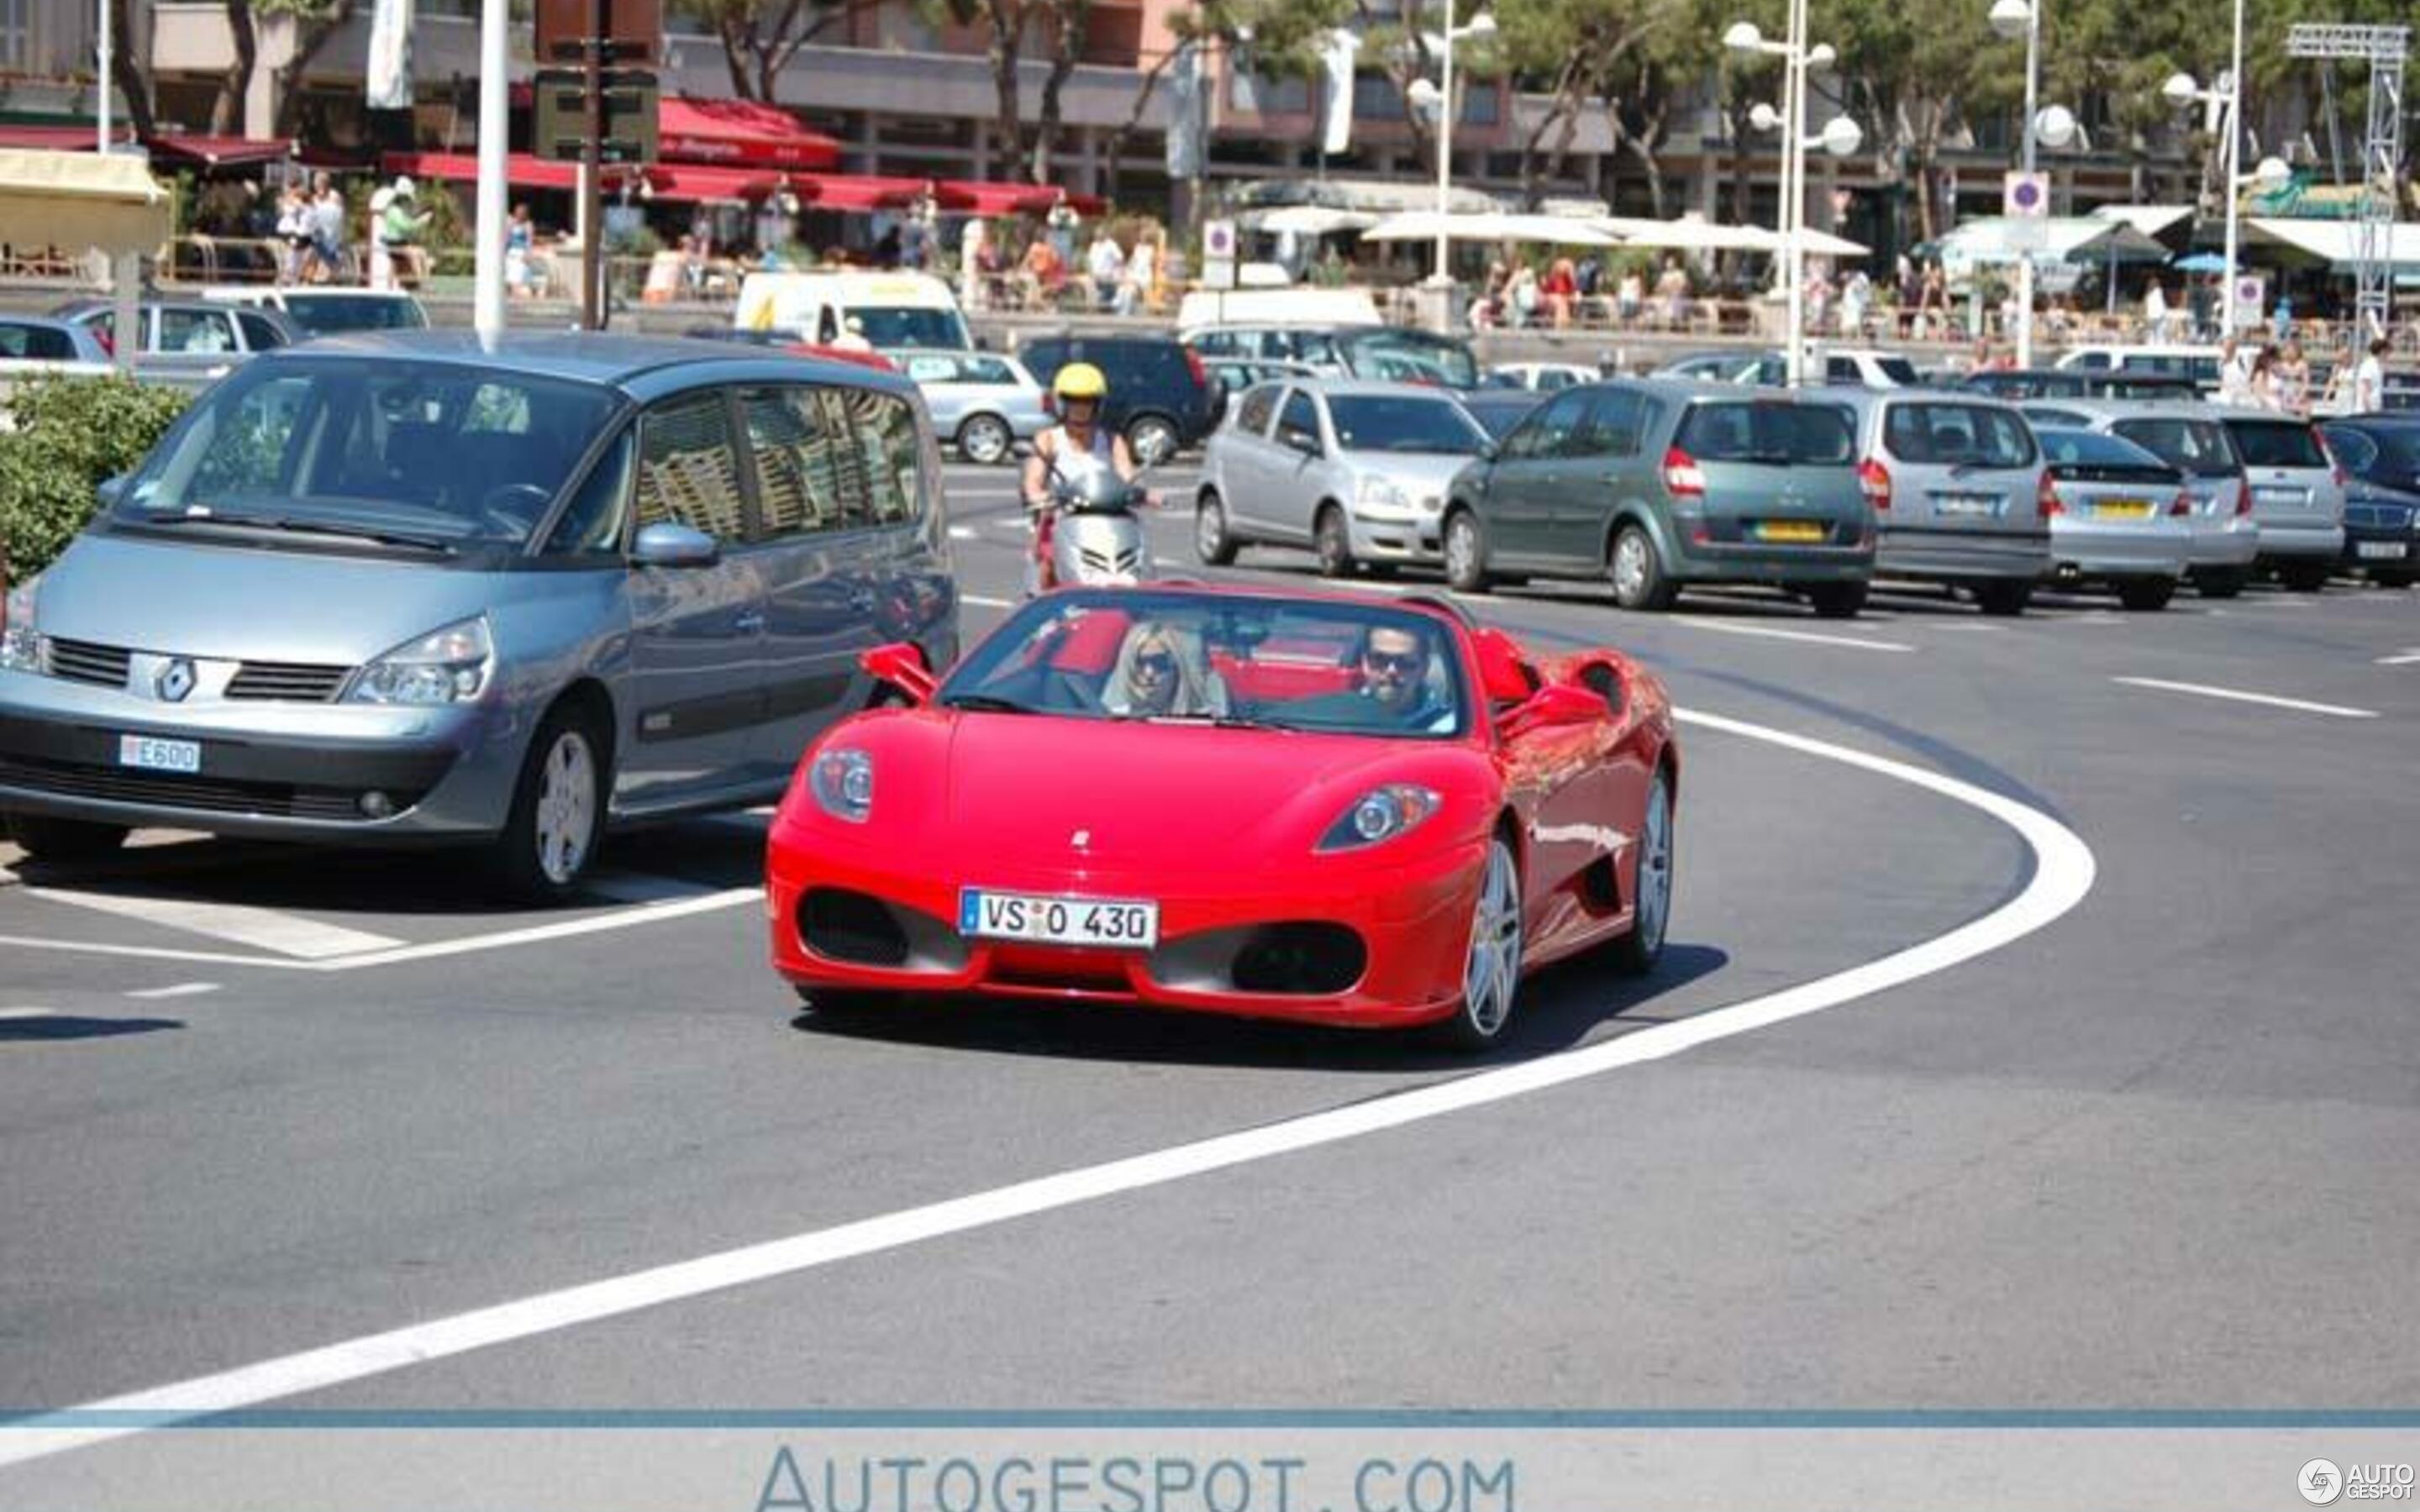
[(1092, 534)]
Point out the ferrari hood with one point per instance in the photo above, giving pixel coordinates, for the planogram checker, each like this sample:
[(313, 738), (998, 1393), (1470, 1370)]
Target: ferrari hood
[(1026, 787)]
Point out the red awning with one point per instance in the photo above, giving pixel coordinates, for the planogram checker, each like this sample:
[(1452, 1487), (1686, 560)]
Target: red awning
[(49, 138), (856, 191), (521, 170), (220, 151), (739, 134), (697, 183), (985, 198)]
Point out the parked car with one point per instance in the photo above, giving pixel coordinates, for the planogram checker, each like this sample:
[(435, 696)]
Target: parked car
[(34, 340), (2081, 383), (409, 587), (1385, 353), (1357, 471), (2199, 364), (1547, 377), (1732, 366), (2380, 456), (1660, 484), (1862, 366), (2191, 439), (1498, 410), (1161, 396), (2298, 496), (2124, 519), (324, 310), (1959, 493), (188, 338), (981, 403), (1236, 376)]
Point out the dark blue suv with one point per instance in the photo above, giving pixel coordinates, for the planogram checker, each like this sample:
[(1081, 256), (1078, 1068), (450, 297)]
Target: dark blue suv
[(1161, 397)]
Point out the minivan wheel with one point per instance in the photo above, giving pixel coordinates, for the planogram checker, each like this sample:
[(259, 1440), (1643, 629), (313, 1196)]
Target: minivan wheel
[(1639, 579), (1466, 553), (1836, 601), (1211, 542), (46, 838), (2004, 595), (1152, 440), (2305, 577), (558, 814), (1333, 544), (2219, 582), (2146, 595), (985, 439)]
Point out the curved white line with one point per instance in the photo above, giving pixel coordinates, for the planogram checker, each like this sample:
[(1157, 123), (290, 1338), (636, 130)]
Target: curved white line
[(2063, 874)]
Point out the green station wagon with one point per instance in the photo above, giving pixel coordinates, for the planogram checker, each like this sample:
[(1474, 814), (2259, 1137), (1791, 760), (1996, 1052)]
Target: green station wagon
[(1658, 483)]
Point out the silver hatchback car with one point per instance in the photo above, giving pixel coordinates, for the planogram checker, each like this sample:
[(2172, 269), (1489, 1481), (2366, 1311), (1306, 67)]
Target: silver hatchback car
[(403, 587), (981, 403), (2222, 538)]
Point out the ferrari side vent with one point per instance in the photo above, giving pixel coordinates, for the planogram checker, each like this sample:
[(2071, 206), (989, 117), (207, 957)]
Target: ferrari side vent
[(1311, 959), (840, 925)]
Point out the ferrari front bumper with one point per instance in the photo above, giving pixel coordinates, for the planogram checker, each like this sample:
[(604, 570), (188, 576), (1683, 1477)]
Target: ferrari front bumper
[(1355, 943)]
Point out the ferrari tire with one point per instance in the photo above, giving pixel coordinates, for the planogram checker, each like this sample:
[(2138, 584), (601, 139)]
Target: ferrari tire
[(1636, 952), (1465, 552), (1332, 543), (1213, 542), (1491, 968)]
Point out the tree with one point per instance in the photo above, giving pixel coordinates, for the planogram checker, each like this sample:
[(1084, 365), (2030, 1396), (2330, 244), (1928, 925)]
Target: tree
[(1912, 74), (127, 65), (761, 37), (317, 22)]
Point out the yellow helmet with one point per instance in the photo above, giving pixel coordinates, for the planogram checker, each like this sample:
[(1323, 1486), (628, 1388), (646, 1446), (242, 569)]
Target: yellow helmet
[(1080, 381)]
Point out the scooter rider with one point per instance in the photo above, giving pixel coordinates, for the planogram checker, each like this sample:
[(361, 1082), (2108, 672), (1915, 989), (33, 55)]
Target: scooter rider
[(1079, 440)]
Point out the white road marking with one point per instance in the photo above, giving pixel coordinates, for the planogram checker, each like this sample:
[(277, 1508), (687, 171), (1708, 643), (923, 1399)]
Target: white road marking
[(28, 1013), (980, 601), (2401, 658), (1777, 634), (650, 888), (595, 924), (2062, 875), (962, 532), (1014, 527), (264, 929), (182, 989), (2237, 696)]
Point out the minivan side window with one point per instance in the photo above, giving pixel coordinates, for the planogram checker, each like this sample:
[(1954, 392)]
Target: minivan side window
[(1614, 421), (1549, 431), (687, 474), (831, 458)]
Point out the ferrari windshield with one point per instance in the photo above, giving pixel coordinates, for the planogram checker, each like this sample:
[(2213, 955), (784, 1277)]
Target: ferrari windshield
[(1220, 660)]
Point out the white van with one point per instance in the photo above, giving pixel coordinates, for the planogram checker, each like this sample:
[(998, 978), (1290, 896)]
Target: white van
[(1207, 308), (894, 310), (328, 310), (2199, 363)]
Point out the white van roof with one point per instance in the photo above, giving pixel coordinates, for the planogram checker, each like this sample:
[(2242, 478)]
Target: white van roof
[(1204, 308)]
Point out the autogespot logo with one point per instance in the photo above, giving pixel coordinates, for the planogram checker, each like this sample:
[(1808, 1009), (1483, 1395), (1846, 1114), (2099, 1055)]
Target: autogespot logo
[(2319, 1482)]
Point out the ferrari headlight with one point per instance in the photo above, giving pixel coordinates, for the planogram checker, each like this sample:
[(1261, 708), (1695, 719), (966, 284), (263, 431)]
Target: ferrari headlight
[(1383, 494), (447, 666), (1380, 815), (20, 649), (842, 783)]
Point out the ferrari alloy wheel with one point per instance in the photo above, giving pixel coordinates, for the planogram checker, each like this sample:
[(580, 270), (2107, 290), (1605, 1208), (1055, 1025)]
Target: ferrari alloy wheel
[(1331, 544), (1491, 972), (1638, 951), (985, 439)]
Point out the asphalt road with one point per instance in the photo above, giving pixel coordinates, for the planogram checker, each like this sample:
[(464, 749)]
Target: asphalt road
[(2157, 1155)]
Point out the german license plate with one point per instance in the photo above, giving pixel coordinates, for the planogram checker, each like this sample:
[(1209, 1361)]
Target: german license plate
[(1801, 532), (2376, 550), (159, 755), (2122, 509), (1106, 923), (1972, 505)]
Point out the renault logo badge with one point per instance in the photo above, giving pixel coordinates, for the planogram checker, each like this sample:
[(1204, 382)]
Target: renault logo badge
[(176, 679)]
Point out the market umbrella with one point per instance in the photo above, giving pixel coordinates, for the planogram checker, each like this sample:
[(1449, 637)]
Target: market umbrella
[(2202, 262)]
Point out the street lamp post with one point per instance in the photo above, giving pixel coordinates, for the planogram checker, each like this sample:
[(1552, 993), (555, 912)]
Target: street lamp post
[(1841, 137), (2228, 94), (1482, 24), (2013, 17)]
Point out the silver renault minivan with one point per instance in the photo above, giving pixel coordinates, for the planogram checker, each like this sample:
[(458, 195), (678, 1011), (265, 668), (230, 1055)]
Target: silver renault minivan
[(406, 587)]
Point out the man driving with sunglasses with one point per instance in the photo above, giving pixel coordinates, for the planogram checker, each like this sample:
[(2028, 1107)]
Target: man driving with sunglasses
[(1393, 685)]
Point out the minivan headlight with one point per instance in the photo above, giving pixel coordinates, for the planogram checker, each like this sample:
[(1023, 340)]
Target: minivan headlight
[(451, 665), (20, 649)]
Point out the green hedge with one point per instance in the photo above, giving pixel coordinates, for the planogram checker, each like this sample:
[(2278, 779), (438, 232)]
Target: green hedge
[(69, 435)]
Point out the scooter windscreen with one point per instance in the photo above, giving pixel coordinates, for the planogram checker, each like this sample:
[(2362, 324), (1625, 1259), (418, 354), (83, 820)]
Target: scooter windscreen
[(1086, 485)]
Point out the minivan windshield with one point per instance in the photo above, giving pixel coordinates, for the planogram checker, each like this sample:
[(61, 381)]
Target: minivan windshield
[(410, 451), (1408, 357), (891, 325), (1768, 431)]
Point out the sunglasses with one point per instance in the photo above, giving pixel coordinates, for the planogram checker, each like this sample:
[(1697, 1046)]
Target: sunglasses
[(1158, 663), (1392, 661)]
